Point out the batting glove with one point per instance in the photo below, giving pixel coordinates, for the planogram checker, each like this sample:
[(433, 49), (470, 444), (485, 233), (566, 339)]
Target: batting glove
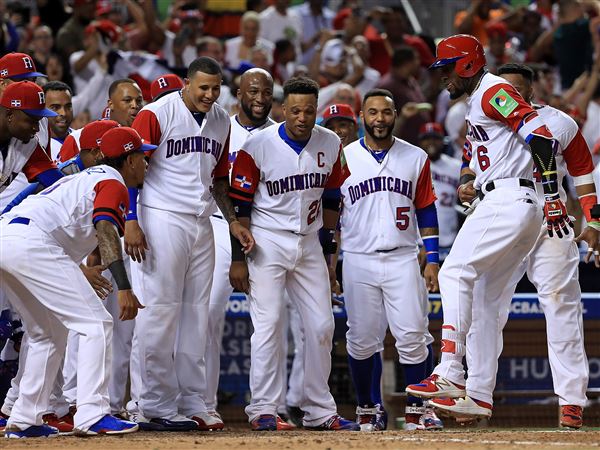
[(557, 218)]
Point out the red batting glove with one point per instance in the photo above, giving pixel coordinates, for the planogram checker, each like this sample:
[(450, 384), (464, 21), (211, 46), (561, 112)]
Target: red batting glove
[(557, 218)]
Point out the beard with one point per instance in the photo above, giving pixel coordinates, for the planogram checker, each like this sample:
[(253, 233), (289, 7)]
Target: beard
[(371, 131), (254, 118)]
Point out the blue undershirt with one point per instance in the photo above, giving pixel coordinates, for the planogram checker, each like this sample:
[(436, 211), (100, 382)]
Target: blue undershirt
[(379, 155), (297, 146)]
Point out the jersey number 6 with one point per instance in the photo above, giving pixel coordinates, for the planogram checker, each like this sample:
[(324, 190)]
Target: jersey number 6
[(402, 218), (313, 211), (482, 158)]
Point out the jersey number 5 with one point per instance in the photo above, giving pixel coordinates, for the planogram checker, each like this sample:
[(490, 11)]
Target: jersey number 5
[(313, 211), (402, 218), (482, 158)]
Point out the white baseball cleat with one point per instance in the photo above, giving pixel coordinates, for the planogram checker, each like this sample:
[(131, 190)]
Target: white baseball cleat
[(436, 386), (463, 408)]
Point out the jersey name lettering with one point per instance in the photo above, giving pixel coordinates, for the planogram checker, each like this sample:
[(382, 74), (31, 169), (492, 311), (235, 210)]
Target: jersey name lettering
[(453, 181), (379, 184), (299, 182), (194, 144), (477, 132)]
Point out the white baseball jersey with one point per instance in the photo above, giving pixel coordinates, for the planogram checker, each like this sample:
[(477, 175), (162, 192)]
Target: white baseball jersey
[(70, 148), (499, 126), (445, 173), (380, 199), (29, 158), (239, 134), (285, 187), (188, 157), (571, 150), (69, 208)]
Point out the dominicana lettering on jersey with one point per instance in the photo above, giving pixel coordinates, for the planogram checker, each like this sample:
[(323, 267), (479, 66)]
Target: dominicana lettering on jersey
[(378, 184), (298, 182), (193, 144)]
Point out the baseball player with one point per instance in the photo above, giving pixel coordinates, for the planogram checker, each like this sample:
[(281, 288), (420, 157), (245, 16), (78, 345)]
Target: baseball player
[(59, 99), (505, 225), (552, 266), (389, 183), (187, 173), (255, 97), (68, 220), (282, 177), (445, 172), (64, 392)]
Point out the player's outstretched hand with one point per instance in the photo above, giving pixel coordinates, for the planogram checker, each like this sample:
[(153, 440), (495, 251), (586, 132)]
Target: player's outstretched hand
[(101, 285), (242, 234), (238, 276), (431, 277), (590, 236), (128, 304), (557, 218), (135, 241)]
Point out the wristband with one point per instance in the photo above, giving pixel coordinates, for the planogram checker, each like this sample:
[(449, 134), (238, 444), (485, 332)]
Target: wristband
[(432, 248), (133, 196), (327, 242), (237, 251), (587, 202), (464, 179), (117, 269)]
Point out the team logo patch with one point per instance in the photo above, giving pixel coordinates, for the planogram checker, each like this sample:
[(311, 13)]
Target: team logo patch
[(15, 103), (503, 103), (3, 72), (128, 147), (243, 182)]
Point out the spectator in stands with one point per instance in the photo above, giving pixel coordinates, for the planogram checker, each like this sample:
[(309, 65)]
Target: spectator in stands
[(279, 22), (456, 127), (212, 47), (179, 49), (9, 37), (314, 18), (395, 24), (354, 22), (238, 49), (474, 19), (262, 58), (54, 68), (401, 82), (70, 37), (335, 62), (41, 46), (283, 60), (371, 76), (86, 63), (495, 51), (277, 107)]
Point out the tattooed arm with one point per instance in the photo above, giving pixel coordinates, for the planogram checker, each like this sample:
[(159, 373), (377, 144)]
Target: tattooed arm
[(221, 195), (111, 252)]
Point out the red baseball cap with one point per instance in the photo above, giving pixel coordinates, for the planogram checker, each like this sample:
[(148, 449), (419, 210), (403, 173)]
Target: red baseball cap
[(105, 28), (122, 140), (27, 97), (92, 133), (103, 7), (165, 84), (18, 66), (431, 129), (338, 111)]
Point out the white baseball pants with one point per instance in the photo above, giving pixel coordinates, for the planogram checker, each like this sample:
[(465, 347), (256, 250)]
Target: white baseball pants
[(296, 378), (488, 247), (552, 267), (174, 284), (52, 296), (284, 260), (380, 286)]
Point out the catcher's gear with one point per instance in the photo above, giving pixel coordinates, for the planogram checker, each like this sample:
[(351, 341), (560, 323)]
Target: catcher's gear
[(557, 218), (464, 50)]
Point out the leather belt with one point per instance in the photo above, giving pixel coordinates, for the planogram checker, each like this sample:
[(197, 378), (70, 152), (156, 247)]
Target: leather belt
[(490, 186), (386, 250)]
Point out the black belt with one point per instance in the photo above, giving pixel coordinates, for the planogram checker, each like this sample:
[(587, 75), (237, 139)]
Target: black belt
[(21, 220), (218, 216), (490, 186), (387, 250)]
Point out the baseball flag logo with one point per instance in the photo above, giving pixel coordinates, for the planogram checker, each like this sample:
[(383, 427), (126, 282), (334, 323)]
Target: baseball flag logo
[(243, 182), (128, 147), (15, 103), (503, 103)]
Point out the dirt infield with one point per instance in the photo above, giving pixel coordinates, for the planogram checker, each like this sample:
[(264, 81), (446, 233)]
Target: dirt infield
[(388, 440)]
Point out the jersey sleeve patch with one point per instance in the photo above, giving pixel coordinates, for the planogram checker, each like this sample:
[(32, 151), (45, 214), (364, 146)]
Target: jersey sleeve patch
[(111, 203), (148, 126), (339, 172), (244, 177), (503, 103)]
